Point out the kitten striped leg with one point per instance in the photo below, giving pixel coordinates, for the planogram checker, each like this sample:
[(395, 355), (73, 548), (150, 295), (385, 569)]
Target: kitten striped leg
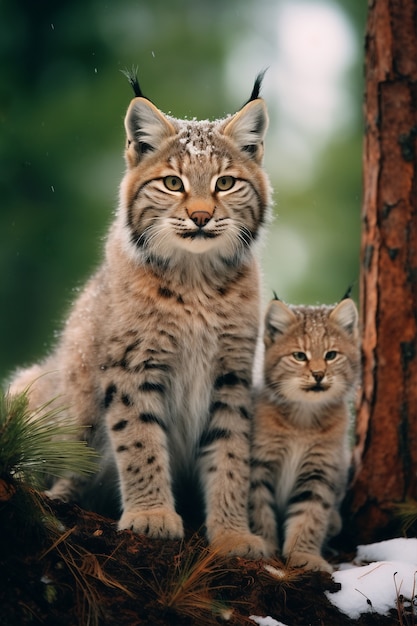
[(306, 526), (139, 438), (224, 469)]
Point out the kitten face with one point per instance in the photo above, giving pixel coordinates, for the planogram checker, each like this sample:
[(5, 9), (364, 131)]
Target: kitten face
[(312, 353), (194, 186)]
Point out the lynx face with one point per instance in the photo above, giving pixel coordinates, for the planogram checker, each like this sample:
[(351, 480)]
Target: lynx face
[(193, 186), (311, 352)]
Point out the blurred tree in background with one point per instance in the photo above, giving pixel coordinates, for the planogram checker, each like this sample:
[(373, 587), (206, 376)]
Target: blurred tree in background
[(386, 428), (62, 104)]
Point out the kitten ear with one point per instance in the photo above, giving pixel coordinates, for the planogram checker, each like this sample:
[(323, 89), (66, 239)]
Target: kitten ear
[(146, 127), (277, 320), (247, 128), (345, 314)]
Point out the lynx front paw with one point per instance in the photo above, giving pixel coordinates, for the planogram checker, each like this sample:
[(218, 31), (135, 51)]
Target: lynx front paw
[(306, 561), (236, 543), (163, 523)]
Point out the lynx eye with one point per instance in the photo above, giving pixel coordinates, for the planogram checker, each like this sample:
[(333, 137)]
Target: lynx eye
[(331, 355), (300, 356), (173, 183), (224, 183)]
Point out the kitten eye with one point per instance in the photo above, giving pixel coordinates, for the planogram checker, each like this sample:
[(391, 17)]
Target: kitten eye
[(300, 356), (224, 183), (331, 355), (173, 183)]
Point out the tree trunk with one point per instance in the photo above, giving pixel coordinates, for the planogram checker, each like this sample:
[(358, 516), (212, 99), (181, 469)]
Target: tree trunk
[(387, 418)]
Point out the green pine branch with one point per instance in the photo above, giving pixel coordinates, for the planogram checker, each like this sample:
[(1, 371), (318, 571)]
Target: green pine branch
[(36, 444)]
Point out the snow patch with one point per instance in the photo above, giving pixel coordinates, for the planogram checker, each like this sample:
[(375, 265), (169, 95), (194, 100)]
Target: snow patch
[(400, 549), (375, 588), (266, 621)]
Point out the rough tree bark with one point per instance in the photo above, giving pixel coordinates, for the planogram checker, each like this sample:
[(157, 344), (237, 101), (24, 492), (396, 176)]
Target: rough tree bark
[(387, 417)]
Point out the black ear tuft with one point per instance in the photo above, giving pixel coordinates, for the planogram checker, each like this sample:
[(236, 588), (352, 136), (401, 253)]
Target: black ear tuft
[(257, 86), (132, 77), (275, 296), (347, 293)]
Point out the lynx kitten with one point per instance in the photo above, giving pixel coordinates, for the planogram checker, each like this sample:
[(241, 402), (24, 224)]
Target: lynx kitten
[(155, 360), (300, 454)]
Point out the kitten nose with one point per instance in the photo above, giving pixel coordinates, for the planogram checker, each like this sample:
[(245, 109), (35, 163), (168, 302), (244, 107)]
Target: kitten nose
[(200, 218), (318, 376)]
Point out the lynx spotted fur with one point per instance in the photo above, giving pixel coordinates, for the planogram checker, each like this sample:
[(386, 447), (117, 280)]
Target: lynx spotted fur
[(155, 360), (300, 451)]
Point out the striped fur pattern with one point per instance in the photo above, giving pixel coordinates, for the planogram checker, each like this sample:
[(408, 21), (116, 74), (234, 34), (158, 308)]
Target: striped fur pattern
[(300, 452), (156, 358)]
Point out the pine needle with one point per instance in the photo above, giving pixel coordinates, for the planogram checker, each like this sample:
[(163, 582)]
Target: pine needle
[(36, 444), (193, 588), (406, 512)]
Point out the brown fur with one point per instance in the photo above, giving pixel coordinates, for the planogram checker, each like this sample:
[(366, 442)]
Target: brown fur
[(300, 452), (155, 361)]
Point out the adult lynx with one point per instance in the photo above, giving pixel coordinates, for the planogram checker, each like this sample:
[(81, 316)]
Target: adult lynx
[(155, 360)]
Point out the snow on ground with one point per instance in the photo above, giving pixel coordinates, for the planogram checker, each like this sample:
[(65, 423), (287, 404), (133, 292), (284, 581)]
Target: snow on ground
[(400, 549), (266, 621), (376, 587), (390, 573)]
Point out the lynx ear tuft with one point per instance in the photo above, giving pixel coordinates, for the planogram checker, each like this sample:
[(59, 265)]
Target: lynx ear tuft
[(257, 86), (247, 128), (345, 314), (278, 319), (132, 77), (146, 127), (347, 293)]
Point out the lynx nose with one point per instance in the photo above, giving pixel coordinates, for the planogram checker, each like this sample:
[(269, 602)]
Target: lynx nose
[(200, 218), (318, 376)]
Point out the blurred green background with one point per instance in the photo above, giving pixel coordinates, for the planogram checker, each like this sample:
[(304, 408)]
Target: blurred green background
[(63, 99)]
